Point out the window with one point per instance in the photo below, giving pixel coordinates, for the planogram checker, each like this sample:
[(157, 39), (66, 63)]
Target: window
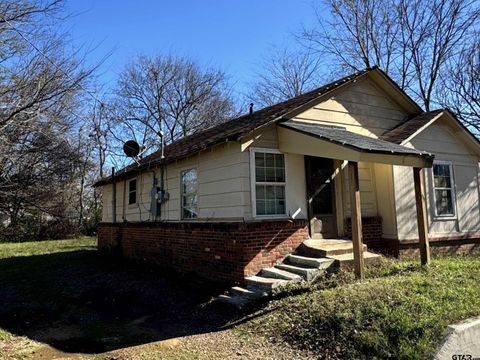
[(189, 186), (443, 189), (269, 183), (132, 191)]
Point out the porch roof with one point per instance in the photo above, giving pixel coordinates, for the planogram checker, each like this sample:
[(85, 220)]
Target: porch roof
[(339, 143)]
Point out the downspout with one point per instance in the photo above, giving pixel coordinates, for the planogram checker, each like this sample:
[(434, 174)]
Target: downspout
[(162, 174)]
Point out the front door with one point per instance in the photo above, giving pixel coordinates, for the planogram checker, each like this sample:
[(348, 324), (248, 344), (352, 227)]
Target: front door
[(321, 197)]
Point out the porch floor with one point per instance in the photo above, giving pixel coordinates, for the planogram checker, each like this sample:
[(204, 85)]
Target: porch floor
[(339, 249), (320, 242)]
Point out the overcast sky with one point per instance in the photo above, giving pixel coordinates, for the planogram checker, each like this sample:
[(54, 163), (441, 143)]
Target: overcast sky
[(230, 34)]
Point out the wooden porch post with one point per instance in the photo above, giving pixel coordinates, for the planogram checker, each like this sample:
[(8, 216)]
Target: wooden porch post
[(356, 215), (421, 216)]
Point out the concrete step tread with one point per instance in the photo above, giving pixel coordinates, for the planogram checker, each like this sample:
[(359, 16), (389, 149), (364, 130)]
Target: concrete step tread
[(265, 284), (328, 245), (326, 248), (265, 280), (327, 241), (307, 261), (277, 273), (347, 257), (236, 300), (252, 294), (307, 274), (289, 267)]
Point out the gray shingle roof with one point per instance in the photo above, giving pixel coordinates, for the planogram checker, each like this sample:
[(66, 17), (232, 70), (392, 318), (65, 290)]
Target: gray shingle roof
[(229, 131), (403, 131), (340, 136)]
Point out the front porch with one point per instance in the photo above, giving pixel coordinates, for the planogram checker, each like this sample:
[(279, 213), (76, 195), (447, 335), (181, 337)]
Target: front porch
[(332, 156)]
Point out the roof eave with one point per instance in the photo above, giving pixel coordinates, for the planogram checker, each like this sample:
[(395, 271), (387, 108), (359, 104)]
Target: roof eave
[(475, 142), (392, 157), (155, 163)]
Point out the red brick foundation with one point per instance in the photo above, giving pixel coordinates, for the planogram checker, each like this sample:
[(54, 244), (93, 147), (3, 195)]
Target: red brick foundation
[(445, 245), (224, 252), (460, 244), (371, 230)]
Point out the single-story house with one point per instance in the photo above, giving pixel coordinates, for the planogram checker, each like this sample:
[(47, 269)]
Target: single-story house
[(240, 196)]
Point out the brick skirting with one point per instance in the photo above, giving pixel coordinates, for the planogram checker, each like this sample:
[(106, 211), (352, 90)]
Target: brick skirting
[(454, 244), (371, 231), (224, 252)]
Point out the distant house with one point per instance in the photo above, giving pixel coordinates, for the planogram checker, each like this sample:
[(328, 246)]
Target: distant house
[(241, 196)]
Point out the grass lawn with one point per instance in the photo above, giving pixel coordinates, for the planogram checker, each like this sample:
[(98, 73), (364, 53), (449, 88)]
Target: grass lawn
[(400, 312), (10, 250)]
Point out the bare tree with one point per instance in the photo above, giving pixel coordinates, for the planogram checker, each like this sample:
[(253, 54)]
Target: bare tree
[(462, 85), (411, 40), (23, 17), (284, 74), (170, 94), (40, 87), (100, 128)]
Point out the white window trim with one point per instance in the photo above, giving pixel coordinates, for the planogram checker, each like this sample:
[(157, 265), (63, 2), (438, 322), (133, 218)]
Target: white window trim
[(136, 193), (437, 216), (254, 150), (181, 193)]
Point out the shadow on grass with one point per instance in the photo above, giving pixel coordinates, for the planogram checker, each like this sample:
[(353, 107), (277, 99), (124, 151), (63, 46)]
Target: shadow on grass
[(82, 301)]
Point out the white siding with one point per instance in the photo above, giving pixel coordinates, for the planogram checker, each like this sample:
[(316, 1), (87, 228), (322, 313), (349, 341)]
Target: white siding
[(367, 190), (446, 145), (223, 180), (383, 180), (223, 189), (107, 203), (361, 108)]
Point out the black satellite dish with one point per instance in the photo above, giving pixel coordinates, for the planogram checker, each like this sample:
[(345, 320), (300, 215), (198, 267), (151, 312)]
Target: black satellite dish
[(131, 148)]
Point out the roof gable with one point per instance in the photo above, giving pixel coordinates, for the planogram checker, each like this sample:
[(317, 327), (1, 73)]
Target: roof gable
[(408, 130), (381, 80), (361, 106)]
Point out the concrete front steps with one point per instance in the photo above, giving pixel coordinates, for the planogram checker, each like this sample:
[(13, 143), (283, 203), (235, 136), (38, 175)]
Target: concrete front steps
[(310, 261), (338, 249), (294, 268)]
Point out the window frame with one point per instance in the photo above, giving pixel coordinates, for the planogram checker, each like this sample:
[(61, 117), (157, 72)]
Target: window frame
[(183, 170), (132, 191), (452, 187), (253, 183)]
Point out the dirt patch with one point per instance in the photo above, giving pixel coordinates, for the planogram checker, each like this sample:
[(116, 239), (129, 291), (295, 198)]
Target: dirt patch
[(83, 302), (225, 344), (82, 305), (230, 345)]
